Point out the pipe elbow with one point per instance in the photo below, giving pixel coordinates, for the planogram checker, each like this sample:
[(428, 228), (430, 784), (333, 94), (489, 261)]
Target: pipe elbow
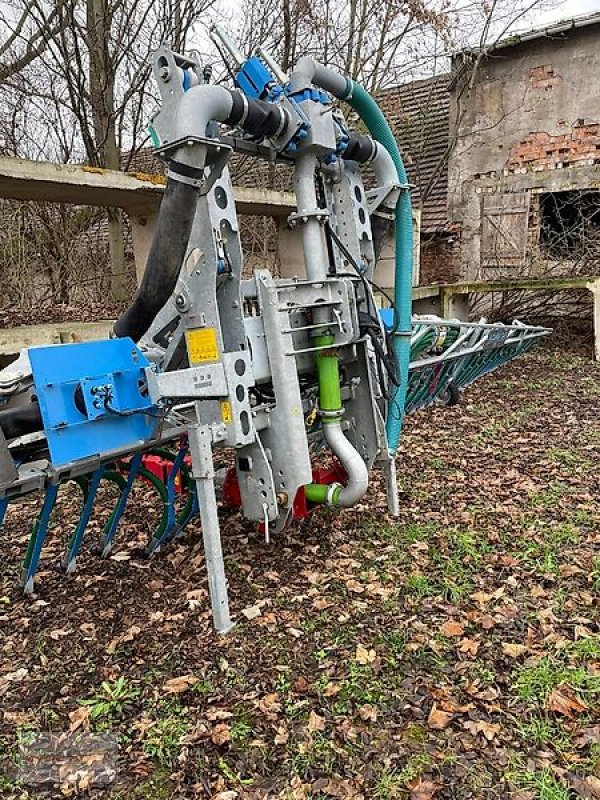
[(356, 469), (384, 168), (199, 106), (309, 72)]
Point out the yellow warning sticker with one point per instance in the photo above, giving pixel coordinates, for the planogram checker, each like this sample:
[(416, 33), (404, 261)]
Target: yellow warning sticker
[(226, 414), (202, 345)]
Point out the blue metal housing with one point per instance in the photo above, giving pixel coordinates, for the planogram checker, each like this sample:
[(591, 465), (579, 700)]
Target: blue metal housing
[(254, 79), (93, 398)]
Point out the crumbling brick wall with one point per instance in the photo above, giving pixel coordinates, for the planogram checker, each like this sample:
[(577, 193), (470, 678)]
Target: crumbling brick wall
[(527, 124)]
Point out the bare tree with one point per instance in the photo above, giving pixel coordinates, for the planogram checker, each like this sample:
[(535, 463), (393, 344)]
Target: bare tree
[(89, 94), (25, 32)]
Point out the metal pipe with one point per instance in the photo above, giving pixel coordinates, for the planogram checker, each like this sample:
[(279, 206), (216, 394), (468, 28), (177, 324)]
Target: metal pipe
[(309, 72), (330, 403), (313, 241), (356, 469)]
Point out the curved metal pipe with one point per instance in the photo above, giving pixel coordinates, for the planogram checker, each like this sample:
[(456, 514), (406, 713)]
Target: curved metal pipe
[(199, 106), (349, 458), (308, 71)]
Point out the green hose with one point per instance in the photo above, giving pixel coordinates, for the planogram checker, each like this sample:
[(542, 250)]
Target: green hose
[(362, 102)]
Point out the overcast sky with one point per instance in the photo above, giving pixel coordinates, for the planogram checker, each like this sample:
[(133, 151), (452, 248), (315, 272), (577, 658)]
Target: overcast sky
[(571, 8)]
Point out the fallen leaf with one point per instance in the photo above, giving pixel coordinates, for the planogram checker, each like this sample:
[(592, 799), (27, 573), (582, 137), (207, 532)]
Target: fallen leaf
[(252, 612), (355, 586), (79, 717), (438, 719), (221, 734), (562, 700), (315, 722), (282, 736), (180, 684), (58, 633), (489, 729), (468, 646), (424, 790), (269, 704), (364, 656), (368, 713), (452, 628), (594, 783), (514, 650)]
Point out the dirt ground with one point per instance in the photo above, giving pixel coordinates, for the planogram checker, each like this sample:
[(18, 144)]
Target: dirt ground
[(451, 653)]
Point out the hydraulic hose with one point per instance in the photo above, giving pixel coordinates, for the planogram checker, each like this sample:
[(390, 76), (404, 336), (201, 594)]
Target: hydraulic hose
[(362, 102), (168, 250)]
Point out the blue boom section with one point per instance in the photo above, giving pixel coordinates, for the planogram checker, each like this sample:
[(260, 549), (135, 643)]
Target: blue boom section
[(93, 398)]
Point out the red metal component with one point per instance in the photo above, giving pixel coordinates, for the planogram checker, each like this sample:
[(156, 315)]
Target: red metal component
[(160, 467), (231, 497), (230, 493)]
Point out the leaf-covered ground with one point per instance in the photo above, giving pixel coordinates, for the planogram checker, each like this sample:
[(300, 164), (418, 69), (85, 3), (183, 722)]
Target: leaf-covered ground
[(451, 653)]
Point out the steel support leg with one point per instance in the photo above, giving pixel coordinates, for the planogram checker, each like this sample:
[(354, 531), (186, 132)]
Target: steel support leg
[(204, 477), (391, 480)]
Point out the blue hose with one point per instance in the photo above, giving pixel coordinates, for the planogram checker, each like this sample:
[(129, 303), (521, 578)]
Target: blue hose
[(362, 102)]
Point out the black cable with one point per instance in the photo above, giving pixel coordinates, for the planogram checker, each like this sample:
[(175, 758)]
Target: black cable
[(370, 324)]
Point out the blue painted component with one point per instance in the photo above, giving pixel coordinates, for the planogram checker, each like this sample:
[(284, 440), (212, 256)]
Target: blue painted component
[(312, 93), (171, 528), (109, 535), (39, 536), (387, 317), (186, 80), (3, 507), (254, 79), (92, 397), (75, 543)]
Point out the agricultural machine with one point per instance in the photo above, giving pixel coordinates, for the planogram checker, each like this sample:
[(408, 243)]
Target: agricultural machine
[(301, 378)]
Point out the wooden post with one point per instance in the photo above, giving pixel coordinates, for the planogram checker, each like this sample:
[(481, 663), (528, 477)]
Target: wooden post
[(594, 288)]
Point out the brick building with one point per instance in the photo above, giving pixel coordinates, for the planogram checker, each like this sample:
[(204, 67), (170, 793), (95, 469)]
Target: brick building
[(524, 168)]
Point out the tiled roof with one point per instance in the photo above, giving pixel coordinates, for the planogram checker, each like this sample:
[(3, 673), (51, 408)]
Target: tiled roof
[(418, 113)]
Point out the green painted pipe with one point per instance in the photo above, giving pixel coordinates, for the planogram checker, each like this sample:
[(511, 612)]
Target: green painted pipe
[(330, 400), (328, 372)]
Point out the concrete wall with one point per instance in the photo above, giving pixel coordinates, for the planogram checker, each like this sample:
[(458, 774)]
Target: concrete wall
[(528, 125)]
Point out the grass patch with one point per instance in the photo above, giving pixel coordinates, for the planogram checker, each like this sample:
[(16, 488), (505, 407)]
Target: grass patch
[(535, 683), (544, 732), (162, 741), (392, 784), (542, 782)]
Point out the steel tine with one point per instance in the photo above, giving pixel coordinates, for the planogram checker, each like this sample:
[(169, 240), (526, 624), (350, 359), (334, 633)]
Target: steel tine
[(75, 542), (115, 518), (38, 536), (172, 525)]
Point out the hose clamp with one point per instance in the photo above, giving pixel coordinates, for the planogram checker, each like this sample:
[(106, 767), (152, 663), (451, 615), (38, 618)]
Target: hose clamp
[(335, 414), (284, 120), (245, 111), (331, 491)]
